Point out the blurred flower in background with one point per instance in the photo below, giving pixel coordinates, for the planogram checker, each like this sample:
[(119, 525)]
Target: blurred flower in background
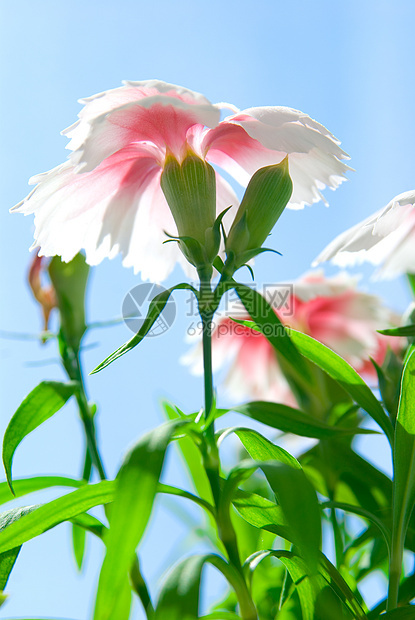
[(44, 294), (107, 198), (386, 239), (330, 309)]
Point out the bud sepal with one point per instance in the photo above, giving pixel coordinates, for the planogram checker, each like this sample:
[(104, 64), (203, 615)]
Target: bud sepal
[(265, 198)]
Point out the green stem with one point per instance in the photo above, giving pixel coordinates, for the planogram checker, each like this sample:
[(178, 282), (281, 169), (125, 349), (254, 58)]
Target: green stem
[(208, 303), (411, 280), (395, 563), (140, 587), (72, 364), (89, 428)]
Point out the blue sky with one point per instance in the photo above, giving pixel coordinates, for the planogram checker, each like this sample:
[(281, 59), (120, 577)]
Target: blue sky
[(348, 65)]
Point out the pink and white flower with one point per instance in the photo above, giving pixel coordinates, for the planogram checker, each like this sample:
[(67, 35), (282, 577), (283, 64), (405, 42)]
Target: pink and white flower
[(330, 309), (106, 199), (386, 239)]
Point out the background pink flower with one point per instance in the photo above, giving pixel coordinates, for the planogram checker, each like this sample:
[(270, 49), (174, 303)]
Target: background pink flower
[(386, 238), (106, 199), (330, 309)]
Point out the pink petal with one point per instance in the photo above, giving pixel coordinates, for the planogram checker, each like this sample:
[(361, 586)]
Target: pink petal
[(116, 208), (159, 120), (104, 102), (314, 154)]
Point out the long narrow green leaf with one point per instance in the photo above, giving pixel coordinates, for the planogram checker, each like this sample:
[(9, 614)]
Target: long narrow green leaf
[(404, 450), (191, 457), (42, 403), (341, 371), (179, 597), (292, 420), (404, 613), (24, 486), (264, 316), (7, 562), (361, 512), (261, 513), (295, 493), (64, 508), (156, 307), (221, 615), (78, 544), (298, 500), (260, 448), (340, 587), (338, 369), (136, 488), (406, 330), (323, 596), (9, 557), (404, 473)]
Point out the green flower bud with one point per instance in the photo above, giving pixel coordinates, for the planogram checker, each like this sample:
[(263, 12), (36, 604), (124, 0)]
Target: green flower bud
[(190, 190), (69, 282), (265, 198)]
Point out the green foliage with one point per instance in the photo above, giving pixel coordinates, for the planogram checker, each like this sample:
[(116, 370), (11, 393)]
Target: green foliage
[(404, 473), (267, 321), (136, 488), (42, 403), (337, 368), (23, 527), (156, 307), (292, 420)]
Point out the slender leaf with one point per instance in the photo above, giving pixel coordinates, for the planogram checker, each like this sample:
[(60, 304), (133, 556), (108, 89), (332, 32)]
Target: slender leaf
[(42, 518), (156, 307), (170, 490), (264, 316), (23, 486), (349, 476), (9, 557), (136, 488), (260, 448), (404, 451), (179, 597), (361, 512), (340, 587), (405, 331), (89, 524), (298, 500), (221, 615), (78, 544), (191, 457), (404, 471), (42, 403), (7, 562), (292, 420), (404, 613), (325, 596), (295, 493), (340, 370), (261, 513)]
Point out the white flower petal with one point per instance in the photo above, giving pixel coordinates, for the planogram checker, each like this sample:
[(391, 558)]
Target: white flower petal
[(386, 238)]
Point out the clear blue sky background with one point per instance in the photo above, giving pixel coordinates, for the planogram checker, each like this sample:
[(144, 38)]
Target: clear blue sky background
[(349, 65)]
